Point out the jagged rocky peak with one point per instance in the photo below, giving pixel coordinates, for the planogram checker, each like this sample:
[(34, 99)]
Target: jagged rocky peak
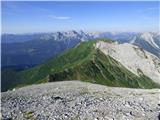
[(146, 35), (133, 58), (76, 35), (149, 37)]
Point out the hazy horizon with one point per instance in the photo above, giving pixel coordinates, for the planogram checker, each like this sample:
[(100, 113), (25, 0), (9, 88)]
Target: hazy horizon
[(29, 33), (39, 17)]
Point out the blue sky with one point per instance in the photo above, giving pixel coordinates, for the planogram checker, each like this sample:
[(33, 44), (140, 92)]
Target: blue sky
[(28, 17)]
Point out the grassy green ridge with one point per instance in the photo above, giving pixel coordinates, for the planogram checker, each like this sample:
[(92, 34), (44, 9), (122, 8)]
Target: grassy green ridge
[(84, 63), (8, 79), (67, 59), (106, 71)]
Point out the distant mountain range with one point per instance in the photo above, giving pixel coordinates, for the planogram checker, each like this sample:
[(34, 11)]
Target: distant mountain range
[(149, 41), (32, 49), (100, 61)]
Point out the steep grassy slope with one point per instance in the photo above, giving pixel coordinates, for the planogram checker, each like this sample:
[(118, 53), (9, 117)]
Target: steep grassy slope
[(8, 79), (104, 70), (84, 63)]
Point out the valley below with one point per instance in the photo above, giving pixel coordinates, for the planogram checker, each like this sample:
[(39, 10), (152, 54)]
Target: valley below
[(75, 100), (86, 78), (80, 60)]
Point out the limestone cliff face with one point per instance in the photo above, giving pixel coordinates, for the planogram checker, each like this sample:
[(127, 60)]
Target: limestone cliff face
[(133, 58)]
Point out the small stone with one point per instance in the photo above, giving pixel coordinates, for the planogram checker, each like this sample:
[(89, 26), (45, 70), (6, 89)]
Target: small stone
[(128, 113), (108, 118), (127, 105), (14, 89), (101, 98), (44, 98), (143, 114), (141, 99)]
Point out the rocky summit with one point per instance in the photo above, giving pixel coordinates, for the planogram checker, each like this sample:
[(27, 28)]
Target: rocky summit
[(75, 100)]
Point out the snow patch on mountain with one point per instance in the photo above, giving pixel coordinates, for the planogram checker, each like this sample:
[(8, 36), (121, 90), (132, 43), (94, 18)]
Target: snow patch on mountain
[(133, 40), (149, 38), (133, 58)]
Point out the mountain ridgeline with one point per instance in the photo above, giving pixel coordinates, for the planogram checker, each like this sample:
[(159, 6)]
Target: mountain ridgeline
[(84, 62), (33, 49)]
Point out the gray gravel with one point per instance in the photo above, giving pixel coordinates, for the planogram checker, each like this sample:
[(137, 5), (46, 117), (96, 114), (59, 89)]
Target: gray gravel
[(75, 100)]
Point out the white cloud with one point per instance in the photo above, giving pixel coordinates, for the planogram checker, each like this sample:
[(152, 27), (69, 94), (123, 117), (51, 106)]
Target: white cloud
[(59, 17)]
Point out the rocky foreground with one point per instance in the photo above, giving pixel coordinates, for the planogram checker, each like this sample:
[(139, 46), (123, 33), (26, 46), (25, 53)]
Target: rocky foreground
[(75, 100)]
